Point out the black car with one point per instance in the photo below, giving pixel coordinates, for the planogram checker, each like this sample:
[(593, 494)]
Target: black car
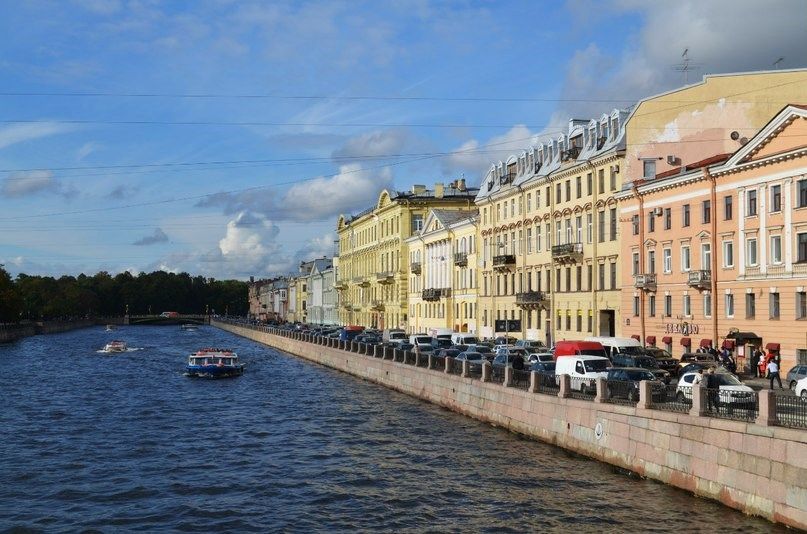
[(664, 360), (505, 340), (695, 366), (623, 382), (448, 353), (642, 361)]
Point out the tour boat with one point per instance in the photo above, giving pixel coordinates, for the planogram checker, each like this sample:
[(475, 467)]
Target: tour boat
[(115, 346), (189, 327), (214, 363)]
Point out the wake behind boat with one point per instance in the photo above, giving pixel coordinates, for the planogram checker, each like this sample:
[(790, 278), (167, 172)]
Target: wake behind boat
[(189, 327), (115, 346), (214, 363), (111, 328)]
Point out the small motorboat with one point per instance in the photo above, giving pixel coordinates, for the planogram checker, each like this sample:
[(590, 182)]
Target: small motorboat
[(189, 327), (110, 328), (115, 346), (214, 363)]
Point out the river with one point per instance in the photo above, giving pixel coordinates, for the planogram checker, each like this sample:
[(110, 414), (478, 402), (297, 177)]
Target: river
[(126, 442)]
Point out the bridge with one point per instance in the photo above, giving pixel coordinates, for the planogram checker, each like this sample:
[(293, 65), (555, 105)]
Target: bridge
[(160, 320)]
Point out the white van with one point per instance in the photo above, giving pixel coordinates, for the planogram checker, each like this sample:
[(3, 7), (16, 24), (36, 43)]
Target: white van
[(619, 345), (393, 336), (423, 342), (583, 370), (464, 339)]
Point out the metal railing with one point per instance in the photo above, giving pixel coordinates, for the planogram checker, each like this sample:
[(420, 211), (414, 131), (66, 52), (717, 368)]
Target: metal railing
[(456, 367), (675, 399), (791, 411), (475, 370), (729, 404), (582, 388), (422, 360), (521, 379), (438, 362), (410, 358), (548, 383), (624, 392), (497, 374)]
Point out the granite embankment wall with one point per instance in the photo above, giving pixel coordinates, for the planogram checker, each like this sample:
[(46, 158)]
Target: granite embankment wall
[(755, 468), (17, 331)]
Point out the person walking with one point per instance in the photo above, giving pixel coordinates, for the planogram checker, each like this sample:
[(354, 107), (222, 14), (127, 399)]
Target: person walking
[(773, 372), (712, 389), (755, 362)]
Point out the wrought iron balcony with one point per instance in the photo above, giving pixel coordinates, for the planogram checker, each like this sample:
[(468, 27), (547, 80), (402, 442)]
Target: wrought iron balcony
[(339, 285), (502, 262), (700, 279), (377, 305), (461, 259), (445, 292), (430, 294), (385, 277), (645, 281), (568, 252), (361, 281), (415, 267), (346, 305), (531, 300)]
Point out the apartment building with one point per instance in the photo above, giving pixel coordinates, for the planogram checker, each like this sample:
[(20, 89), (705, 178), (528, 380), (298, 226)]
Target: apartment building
[(321, 293), (372, 266), (443, 273)]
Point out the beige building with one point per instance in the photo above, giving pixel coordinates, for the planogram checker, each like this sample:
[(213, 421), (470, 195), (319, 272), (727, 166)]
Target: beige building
[(549, 236), (372, 266), (443, 273)]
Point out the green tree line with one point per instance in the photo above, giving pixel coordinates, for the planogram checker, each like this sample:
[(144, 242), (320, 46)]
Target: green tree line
[(44, 297)]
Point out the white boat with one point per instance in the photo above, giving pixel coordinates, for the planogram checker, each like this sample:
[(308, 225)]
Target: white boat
[(115, 346), (214, 363), (189, 327)]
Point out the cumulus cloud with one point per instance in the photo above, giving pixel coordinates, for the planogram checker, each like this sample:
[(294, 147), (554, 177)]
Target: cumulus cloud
[(158, 236), (18, 133), (378, 143), (28, 183)]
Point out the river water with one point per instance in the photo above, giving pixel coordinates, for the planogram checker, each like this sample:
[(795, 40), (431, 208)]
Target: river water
[(126, 442)]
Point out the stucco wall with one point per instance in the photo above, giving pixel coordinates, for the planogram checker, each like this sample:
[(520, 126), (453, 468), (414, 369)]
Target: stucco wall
[(760, 470)]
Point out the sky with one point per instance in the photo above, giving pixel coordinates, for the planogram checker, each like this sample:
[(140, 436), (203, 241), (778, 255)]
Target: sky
[(224, 138)]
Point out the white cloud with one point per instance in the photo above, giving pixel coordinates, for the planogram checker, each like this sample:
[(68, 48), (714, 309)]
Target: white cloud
[(378, 143), (21, 184), (86, 149), (18, 133)]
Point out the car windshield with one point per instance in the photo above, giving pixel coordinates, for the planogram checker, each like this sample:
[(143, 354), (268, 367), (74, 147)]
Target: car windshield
[(473, 356), (595, 366), (728, 380), (640, 375), (647, 363), (633, 351), (425, 340), (484, 350)]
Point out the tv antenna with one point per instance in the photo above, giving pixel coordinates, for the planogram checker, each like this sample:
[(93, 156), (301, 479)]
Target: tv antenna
[(686, 65), (778, 62)]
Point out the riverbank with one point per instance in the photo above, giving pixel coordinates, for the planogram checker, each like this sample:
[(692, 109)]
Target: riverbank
[(747, 465), (13, 332)]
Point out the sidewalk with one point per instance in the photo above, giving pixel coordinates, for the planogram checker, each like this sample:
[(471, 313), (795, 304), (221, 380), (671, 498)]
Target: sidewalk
[(764, 383)]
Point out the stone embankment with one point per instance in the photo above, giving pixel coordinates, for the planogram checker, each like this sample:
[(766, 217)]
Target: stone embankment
[(751, 465), (13, 332)]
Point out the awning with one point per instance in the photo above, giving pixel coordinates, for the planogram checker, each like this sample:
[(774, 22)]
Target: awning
[(706, 342), (666, 339), (742, 337), (728, 344), (650, 340), (686, 342), (636, 337), (772, 346)]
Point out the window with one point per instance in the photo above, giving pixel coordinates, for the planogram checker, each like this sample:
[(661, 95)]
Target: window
[(750, 305), (728, 254), (729, 305), (557, 281), (685, 215), (706, 211), (776, 249), (651, 261), (568, 322), (652, 305), (558, 197), (686, 264), (706, 257), (601, 226), (568, 190), (548, 196), (579, 322), (727, 207), (751, 209), (538, 238), (579, 277), (802, 185), (636, 306), (648, 168), (590, 322), (776, 198), (667, 218), (601, 276), (635, 224), (613, 178), (417, 223), (589, 185), (601, 180), (529, 240), (612, 267), (667, 258), (578, 186), (578, 223), (589, 227), (801, 305), (801, 247), (687, 303), (635, 269), (589, 274), (568, 279), (651, 221), (612, 215), (773, 300), (529, 202), (668, 305), (751, 252)]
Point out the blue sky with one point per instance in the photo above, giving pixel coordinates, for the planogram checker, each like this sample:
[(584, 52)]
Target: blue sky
[(107, 163)]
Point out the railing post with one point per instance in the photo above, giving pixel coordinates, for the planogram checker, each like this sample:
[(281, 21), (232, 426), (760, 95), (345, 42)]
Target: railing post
[(486, 369), (430, 363), (767, 408), (565, 386), (698, 401), (645, 395), (601, 385), (449, 360), (396, 353), (508, 376), (464, 368), (535, 384), (376, 350)]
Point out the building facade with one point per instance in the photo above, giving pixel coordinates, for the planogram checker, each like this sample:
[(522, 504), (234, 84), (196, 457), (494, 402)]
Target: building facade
[(373, 271), (443, 273), (321, 294)]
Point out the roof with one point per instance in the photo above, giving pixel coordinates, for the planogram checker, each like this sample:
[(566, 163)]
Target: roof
[(447, 217), (711, 160)]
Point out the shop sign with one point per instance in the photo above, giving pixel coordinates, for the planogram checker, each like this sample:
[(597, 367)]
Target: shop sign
[(683, 328)]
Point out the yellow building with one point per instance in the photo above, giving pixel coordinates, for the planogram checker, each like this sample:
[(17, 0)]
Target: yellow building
[(373, 269), (549, 236), (443, 273)]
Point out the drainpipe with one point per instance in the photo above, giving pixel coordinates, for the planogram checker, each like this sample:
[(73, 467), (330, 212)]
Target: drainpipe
[(713, 245), (641, 257)]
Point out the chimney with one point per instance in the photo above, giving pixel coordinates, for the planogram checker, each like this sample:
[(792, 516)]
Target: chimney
[(418, 189), (438, 190), (461, 187)]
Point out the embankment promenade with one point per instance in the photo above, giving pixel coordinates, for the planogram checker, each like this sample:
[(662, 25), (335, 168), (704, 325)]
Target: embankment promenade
[(752, 465), (13, 332)]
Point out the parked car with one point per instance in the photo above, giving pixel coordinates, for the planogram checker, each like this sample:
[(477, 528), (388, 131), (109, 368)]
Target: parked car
[(618, 345), (578, 348), (448, 353), (796, 374), (623, 382), (583, 370), (471, 357), (405, 345), (394, 336), (504, 340), (694, 366), (441, 343), (509, 359), (537, 357), (544, 367), (801, 389), (696, 357), (664, 359), (732, 391), (642, 361), (530, 345), (464, 339)]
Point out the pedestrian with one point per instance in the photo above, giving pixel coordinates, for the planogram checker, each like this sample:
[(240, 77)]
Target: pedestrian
[(712, 389), (755, 362), (698, 378), (518, 362), (773, 372), (762, 366)]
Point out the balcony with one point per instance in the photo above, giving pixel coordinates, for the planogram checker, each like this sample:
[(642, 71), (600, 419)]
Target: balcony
[(461, 259), (377, 305), (445, 292), (567, 253), (385, 277), (361, 281), (430, 294), (346, 305), (340, 285), (700, 279), (646, 282), (532, 300), (415, 267), (503, 262)]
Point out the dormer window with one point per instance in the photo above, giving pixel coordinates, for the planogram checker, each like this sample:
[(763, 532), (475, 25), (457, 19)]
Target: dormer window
[(614, 127), (649, 169), (592, 135)]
